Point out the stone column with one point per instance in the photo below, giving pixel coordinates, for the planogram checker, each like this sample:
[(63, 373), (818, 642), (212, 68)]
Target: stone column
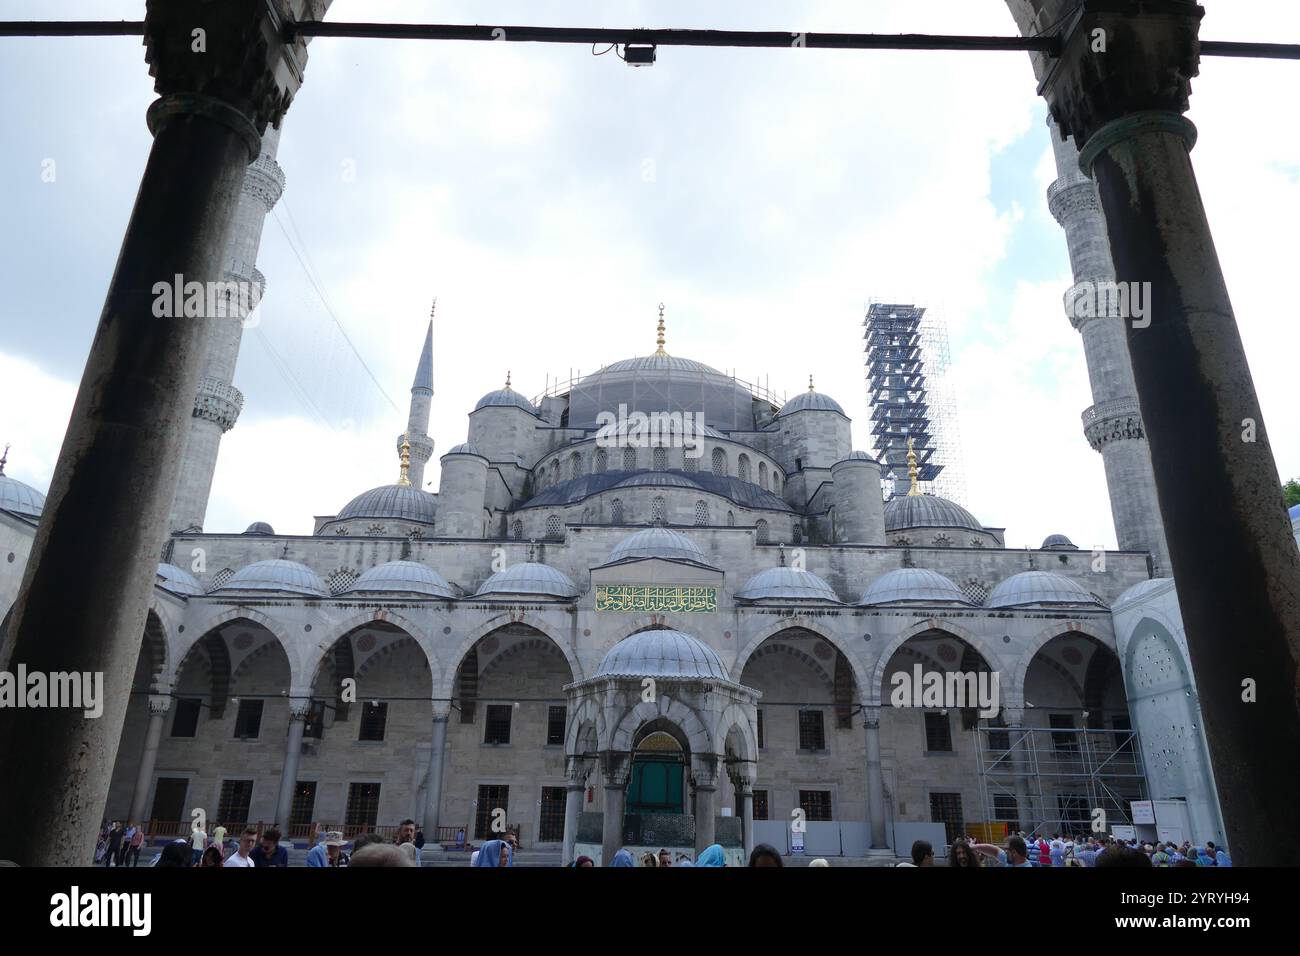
[(615, 768), (117, 471), (576, 789), (745, 808), (704, 769), (1230, 543), (159, 705), (298, 710), (437, 761), (875, 781), (1025, 809)]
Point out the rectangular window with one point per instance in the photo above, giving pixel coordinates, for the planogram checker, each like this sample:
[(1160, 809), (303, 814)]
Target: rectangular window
[(1123, 734), (812, 730), (232, 807), (497, 725), (374, 721), (816, 804), (490, 797), (760, 805), (550, 828), (1064, 743), (760, 730), (304, 803), (169, 798), (314, 727), (248, 722), (186, 721), (945, 808), (938, 732), (363, 806), (999, 740), (555, 720), (1006, 811)]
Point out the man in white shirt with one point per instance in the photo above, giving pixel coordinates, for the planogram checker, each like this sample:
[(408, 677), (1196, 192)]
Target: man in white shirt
[(240, 857), (198, 843)]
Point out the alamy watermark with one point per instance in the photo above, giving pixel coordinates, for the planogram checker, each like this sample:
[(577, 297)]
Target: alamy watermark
[(653, 429), (955, 690), (77, 690), (1130, 301), (235, 298)]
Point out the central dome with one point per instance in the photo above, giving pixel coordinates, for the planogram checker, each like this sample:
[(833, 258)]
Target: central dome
[(662, 653), (403, 502), (927, 511)]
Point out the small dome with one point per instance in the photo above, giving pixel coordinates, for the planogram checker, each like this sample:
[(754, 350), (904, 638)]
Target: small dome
[(277, 575), (1058, 542), (927, 511), (529, 577), (787, 584), (505, 398), (20, 498), (178, 581), (811, 401), (465, 448), (404, 502), (912, 584), (662, 653), (858, 456), (1141, 590), (1037, 587), (259, 527), (658, 543), (405, 576)]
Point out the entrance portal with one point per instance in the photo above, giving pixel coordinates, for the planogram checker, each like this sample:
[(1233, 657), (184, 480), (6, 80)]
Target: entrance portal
[(657, 783)]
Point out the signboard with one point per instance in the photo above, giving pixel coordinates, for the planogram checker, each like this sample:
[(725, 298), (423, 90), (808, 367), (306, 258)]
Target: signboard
[(679, 599), (796, 841), (1142, 811), (1123, 832)]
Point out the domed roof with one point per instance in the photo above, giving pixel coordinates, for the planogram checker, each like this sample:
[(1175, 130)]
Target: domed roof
[(20, 498), (529, 577), (1037, 587), (572, 490), (276, 575), (912, 584), (787, 584), (505, 397), (927, 511), (662, 653), (857, 455), (1058, 542), (658, 543), (465, 448), (404, 502), (1140, 590), (811, 401), (659, 362), (657, 479), (259, 527), (405, 576), (178, 581)]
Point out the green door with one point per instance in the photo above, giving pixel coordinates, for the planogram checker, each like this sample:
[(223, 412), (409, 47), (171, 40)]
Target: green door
[(656, 786)]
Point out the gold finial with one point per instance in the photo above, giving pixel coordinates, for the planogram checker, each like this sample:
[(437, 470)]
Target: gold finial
[(507, 379), (912, 472), (810, 384), (660, 340), (402, 479)]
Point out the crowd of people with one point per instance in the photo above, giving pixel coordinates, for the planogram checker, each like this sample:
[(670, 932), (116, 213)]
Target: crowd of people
[(1067, 851)]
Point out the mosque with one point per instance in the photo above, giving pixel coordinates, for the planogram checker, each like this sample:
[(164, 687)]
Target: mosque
[(600, 641)]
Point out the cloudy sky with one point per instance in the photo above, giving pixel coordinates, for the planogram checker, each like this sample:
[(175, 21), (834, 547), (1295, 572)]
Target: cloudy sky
[(550, 199)]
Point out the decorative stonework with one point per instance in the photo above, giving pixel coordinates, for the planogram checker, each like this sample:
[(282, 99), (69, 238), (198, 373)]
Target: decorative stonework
[(159, 703), (219, 403), (1068, 200), (264, 181), (637, 597), (1112, 421)]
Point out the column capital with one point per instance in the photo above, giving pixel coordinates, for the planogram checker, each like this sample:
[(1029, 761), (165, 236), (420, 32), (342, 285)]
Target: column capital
[(159, 703), (299, 709), (871, 716), (615, 767), (441, 711)]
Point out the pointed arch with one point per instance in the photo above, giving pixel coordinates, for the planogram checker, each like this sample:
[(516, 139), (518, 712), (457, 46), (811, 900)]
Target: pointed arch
[(798, 622), (982, 646), (450, 665)]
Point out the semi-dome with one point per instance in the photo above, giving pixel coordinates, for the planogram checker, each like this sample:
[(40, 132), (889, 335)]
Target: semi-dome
[(20, 498), (1058, 542), (787, 584), (662, 653), (504, 398), (912, 584), (658, 543), (279, 574), (259, 527), (927, 511), (178, 581), (1037, 587), (465, 448), (403, 502), (529, 577), (404, 576), (811, 401)]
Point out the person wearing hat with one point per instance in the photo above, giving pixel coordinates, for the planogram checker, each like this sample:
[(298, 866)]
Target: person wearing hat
[(329, 852)]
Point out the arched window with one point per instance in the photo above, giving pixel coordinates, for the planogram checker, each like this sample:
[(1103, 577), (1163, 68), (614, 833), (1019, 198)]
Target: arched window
[(701, 514), (658, 509), (616, 511), (762, 475), (629, 459), (575, 465), (690, 463), (719, 462), (776, 481), (731, 519), (554, 529), (517, 530), (742, 468), (555, 471), (602, 461), (760, 531), (796, 533), (661, 459)]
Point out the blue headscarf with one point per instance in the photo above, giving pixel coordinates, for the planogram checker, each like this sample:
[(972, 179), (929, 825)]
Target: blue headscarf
[(489, 854), (712, 856), (623, 858)]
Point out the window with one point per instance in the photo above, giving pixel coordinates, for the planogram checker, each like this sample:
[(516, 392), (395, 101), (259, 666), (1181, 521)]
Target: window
[(555, 471), (601, 464), (1006, 811), (938, 732), (304, 803), (731, 520), (945, 808), (517, 530), (629, 459), (762, 475), (248, 722), (798, 464), (363, 806), (186, 721), (575, 465), (761, 745), (341, 580), (776, 482), (760, 805), (975, 591), (690, 463), (719, 462), (701, 514), (554, 529), (550, 828), (374, 721), (1123, 734), (220, 578), (314, 725), (742, 468), (816, 805), (661, 459), (490, 797), (812, 730), (555, 720), (999, 740), (497, 725), (657, 511), (616, 511), (232, 806), (1064, 743), (169, 798), (796, 533), (760, 531)]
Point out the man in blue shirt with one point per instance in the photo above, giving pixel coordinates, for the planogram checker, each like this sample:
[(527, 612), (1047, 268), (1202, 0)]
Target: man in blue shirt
[(270, 853), (329, 851)]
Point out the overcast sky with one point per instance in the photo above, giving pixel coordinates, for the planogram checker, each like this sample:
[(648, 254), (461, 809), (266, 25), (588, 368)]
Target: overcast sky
[(550, 199)]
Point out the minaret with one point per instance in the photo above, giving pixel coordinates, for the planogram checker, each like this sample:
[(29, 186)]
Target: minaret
[(1113, 425), (218, 403), (417, 423)]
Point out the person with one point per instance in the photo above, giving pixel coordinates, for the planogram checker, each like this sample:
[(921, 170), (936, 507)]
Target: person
[(684, 860), (363, 840), (419, 839), (818, 862), (1221, 857), (584, 861), (1203, 857), (383, 854), (665, 858), (623, 858), (1056, 850), (498, 853), (329, 851), (127, 834), (922, 853), (242, 856), (1016, 853), (212, 857), (713, 855), (137, 841), (114, 845), (270, 853), (765, 855), (473, 857), (648, 858), (1160, 857), (406, 832), (1088, 854), (198, 841), (219, 838), (1044, 852), (1121, 855), (961, 854), (176, 853)]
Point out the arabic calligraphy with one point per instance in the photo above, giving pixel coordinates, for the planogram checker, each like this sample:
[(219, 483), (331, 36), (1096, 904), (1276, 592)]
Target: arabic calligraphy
[(645, 597)]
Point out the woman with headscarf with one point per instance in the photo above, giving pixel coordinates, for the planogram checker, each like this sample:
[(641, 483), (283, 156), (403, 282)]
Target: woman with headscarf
[(712, 856), (623, 858), (495, 853), (584, 861)]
